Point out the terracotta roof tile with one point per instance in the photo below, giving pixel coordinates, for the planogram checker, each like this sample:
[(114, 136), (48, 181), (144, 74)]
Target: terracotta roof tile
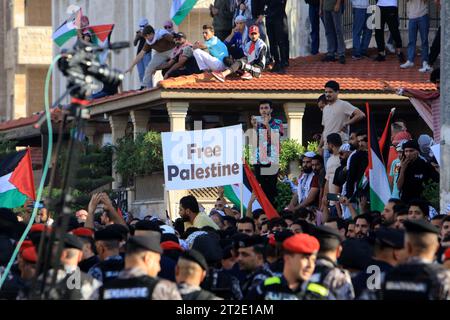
[(21, 122), (305, 74), (310, 74)]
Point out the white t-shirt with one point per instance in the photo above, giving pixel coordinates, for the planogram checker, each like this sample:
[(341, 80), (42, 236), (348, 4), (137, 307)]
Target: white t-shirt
[(387, 3), (417, 8), (159, 34)]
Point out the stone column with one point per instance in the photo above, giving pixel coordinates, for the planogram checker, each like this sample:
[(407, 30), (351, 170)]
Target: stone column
[(89, 131), (294, 114), (177, 113), (140, 121), (118, 126)]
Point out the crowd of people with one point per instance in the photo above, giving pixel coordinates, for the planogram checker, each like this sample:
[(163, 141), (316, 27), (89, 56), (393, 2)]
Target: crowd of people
[(327, 244), (247, 37)]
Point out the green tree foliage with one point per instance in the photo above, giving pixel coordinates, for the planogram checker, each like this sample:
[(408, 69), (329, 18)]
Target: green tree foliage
[(139, 157)]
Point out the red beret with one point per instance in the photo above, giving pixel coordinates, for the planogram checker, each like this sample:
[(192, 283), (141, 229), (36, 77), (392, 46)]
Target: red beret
[(39, 227), (171, 245), (301, 243), (83, 232), (447, 254), (25, 244), (30, 255)]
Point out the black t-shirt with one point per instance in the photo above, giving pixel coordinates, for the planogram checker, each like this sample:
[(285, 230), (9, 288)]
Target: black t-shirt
[(417, 173)]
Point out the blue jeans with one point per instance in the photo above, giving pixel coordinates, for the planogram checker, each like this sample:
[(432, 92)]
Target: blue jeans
[(143, 64), (334, 32), (421, 25), (314, 19), (361, 34)]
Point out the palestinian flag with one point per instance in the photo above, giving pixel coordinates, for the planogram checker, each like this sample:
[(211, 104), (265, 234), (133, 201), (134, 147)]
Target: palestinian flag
[(16, 180), (101, 34), (233, 193), (180, 9), (268, 208), (384, 142), (380, 191), (68, 29)]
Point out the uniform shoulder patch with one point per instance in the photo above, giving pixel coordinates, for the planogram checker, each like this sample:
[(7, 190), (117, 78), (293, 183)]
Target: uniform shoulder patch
[(272, 280)]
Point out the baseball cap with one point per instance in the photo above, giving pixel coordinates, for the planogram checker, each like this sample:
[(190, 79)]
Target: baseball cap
[(344, 148), (253, 29), (179, 35)]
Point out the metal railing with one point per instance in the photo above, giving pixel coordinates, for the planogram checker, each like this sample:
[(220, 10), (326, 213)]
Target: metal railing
[(348, 17)]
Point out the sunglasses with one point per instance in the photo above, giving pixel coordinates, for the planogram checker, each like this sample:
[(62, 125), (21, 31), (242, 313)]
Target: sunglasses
[(253, 33), (168, 27)]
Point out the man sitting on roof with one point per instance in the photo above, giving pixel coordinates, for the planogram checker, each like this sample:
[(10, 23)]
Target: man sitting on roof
[(237, 39), (210, 55), (254, 61)]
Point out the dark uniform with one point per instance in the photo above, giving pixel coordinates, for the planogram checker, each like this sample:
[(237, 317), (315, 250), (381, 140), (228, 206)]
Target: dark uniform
[(134, 283), (417, 278), (109, 268), (71, 283), (277, 288), (327, 274), (222, 284), (253, 278), (192, 292), (384, 238)]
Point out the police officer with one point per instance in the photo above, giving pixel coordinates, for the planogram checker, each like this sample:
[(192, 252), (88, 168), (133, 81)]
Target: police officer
[(90, 259), (190, 273), (138, 280), (107, 243), (218, 281), (251, 261), (419, 278), (388, 252), (329, 281), (299, 254), (71, 283)]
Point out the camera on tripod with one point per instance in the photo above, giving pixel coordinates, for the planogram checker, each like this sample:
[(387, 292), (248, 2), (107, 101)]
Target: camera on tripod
[(84, 70)]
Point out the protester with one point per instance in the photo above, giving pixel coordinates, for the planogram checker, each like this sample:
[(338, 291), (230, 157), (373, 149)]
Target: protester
[(361, 33), (182, 62), (252, 64), (389, 14), (222, 14), (314, 19), (266, 168), (238, 38), (332, 11), (414, 172), (139, 41), (418, 21), (337, 116), (191, 215), (217, 51), (161, 42), (308, 185), (278, 33)]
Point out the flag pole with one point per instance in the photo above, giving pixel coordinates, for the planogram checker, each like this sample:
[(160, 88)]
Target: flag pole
[(242, 198)]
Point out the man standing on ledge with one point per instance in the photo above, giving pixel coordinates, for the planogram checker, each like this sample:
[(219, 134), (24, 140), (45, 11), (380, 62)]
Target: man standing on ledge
[(267, 151)]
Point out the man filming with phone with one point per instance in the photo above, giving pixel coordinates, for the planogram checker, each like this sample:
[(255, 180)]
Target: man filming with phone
[(269, 131)]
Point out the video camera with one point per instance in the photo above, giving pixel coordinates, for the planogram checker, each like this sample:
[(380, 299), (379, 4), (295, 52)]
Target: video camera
[(82, 67)]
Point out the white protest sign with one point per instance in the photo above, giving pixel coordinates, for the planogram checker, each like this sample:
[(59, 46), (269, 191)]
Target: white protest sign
[(436, 149), (202, 158)]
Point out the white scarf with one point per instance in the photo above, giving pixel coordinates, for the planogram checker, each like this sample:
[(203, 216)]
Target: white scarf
[(304, 186)]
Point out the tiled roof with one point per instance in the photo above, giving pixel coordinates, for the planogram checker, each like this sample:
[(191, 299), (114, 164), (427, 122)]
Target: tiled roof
[(22, 122), (305, 74), (310, 74)]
